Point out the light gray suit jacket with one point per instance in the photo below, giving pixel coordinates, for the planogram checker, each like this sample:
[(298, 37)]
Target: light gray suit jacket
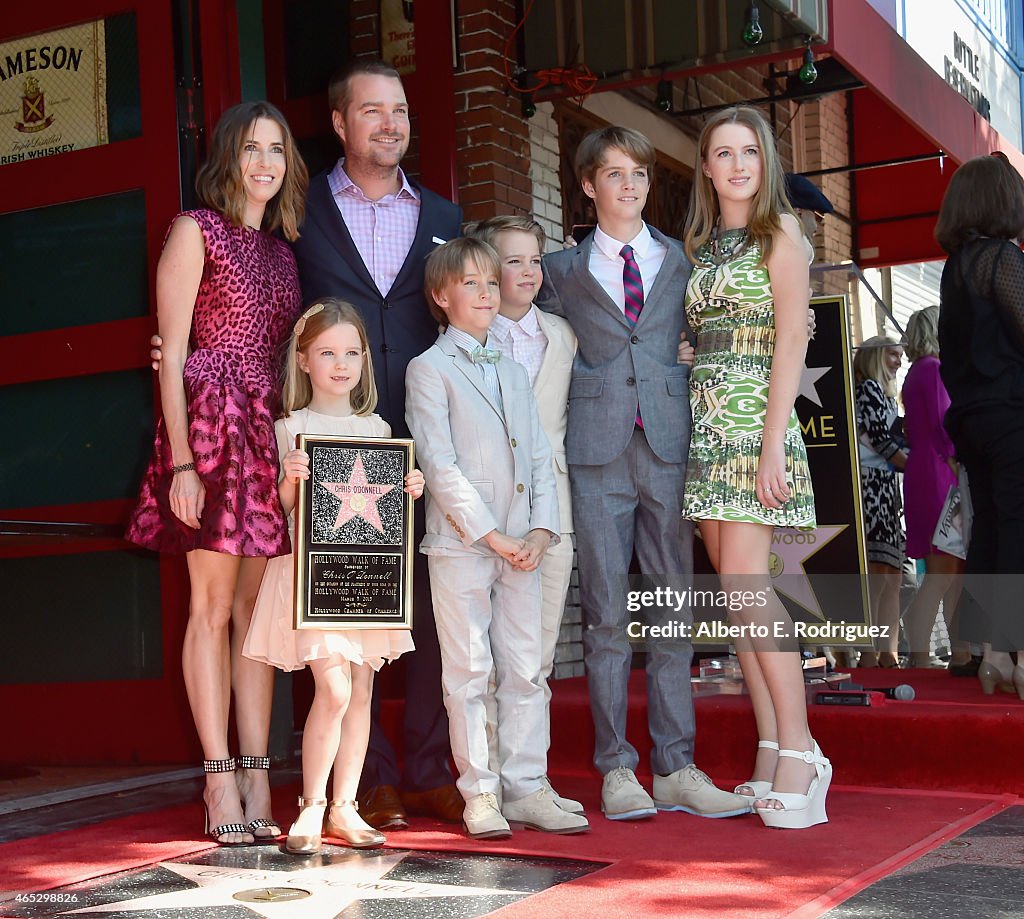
[(483, 471), (617, 366)]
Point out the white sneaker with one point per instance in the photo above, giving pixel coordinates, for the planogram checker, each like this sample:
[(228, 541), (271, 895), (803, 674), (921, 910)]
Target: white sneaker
[(567, 804), (482, 819), (624, 798), (540, 812), (691, 791)]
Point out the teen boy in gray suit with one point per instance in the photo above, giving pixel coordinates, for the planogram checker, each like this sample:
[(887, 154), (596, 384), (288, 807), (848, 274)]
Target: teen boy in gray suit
[(628, 435)]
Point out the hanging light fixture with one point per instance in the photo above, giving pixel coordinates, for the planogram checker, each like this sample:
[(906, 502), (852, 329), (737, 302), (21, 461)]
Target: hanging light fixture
[(664, 98), (528, 105), (808, 72), (752, 31)]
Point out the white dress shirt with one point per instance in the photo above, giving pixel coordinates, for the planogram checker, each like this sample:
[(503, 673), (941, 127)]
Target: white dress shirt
[(606, 264)]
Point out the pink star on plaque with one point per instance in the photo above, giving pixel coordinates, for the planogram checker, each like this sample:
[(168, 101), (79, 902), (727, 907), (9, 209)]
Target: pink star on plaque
[(358, 497)]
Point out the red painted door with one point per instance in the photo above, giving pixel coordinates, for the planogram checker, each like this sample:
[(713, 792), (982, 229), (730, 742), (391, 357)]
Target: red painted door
[(89, 179)]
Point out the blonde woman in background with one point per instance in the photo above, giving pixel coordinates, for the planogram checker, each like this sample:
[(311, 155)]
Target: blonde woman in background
[(881, 456)]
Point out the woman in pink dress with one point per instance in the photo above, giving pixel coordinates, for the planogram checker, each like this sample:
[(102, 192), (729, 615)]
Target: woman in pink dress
[(927, 477), (229, 290)]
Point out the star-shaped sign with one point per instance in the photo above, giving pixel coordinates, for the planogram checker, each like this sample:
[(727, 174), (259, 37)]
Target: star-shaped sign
[(324, 889), (358, 497), (791, 548), (808, 378)]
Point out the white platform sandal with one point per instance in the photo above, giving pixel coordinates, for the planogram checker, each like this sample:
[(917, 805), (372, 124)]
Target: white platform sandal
[(800, 811), (758, 789)]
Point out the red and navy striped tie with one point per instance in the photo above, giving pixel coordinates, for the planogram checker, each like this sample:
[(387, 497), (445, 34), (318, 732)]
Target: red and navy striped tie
[(633, 288)]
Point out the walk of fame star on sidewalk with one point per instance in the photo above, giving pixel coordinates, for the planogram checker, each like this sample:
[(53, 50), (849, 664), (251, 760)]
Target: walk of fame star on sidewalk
[(263, 881), (327, 887)]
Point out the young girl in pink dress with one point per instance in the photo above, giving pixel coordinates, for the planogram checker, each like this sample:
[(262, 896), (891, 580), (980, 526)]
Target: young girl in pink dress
[(329, 389)]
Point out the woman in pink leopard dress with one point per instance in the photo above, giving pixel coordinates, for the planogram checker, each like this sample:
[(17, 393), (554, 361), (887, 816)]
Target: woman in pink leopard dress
[(229, 289)]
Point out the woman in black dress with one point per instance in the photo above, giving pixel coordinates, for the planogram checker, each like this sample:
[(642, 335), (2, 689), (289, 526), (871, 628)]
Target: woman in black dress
[(981, 334)]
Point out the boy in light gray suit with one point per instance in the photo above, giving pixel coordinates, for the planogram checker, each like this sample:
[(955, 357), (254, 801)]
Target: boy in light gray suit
[(628, 435), (545, 345), (491, 512)]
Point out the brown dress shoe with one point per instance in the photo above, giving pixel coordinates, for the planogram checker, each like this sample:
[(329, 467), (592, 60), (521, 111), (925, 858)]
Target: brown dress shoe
[(381, 807), (444, 803)]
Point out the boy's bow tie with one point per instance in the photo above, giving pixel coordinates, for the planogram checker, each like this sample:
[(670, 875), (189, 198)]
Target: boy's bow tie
[(482, 355)]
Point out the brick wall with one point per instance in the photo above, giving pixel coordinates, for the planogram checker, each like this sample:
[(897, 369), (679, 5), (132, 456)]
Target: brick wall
[(492, 138), (825, 144), (546, 189)]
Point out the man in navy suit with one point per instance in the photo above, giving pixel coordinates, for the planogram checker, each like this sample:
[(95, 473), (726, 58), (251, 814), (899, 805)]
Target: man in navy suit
[(367, 232)]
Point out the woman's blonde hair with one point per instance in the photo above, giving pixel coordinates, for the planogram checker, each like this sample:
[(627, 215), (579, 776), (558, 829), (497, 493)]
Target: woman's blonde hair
[(769, 202), (318, 318), (923, 333), (219, 182), (869, 362)]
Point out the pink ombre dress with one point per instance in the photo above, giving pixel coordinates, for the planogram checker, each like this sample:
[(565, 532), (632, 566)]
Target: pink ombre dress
[(248, 299), (927, 476)]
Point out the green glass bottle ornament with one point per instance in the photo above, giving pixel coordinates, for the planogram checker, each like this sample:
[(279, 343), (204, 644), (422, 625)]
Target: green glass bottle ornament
[(752, 31), (808, 72)]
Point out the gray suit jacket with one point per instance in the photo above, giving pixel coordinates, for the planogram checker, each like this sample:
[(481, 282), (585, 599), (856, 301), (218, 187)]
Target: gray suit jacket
[(483, 471), (617, 366)]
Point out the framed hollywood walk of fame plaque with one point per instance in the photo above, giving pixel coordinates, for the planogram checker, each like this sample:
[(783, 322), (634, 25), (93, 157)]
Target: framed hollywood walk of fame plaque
[(354, 534)]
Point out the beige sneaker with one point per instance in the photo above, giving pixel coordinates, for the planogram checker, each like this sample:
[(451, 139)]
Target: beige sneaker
[(567, 804), (690, 790), (624, 798), (482, 819), (540, 812)]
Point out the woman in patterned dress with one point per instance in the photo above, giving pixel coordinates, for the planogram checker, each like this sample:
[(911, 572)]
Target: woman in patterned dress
[(747, 301), (228, 289), (881, 454)]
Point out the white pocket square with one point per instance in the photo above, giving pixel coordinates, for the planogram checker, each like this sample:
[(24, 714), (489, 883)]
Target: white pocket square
[(438, 240)]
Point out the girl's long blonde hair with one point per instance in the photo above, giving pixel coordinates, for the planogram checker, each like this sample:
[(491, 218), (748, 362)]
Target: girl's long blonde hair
[(320, 316), (769, 202)]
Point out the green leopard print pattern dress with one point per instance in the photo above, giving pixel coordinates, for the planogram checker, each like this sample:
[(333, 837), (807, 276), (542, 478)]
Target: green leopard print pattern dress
[(732, 311)]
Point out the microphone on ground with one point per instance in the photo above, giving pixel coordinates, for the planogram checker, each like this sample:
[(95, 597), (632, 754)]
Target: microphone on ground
[(902, 693)]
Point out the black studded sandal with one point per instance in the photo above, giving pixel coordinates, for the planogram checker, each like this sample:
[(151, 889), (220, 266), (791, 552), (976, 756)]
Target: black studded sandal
[(223, 765), (260, 823)]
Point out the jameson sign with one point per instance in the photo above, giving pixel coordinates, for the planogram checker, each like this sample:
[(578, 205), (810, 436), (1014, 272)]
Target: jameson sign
[(53, 93)]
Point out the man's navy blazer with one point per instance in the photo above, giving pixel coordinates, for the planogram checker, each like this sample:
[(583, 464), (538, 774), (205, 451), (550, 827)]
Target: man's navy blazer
[(399, 325)]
